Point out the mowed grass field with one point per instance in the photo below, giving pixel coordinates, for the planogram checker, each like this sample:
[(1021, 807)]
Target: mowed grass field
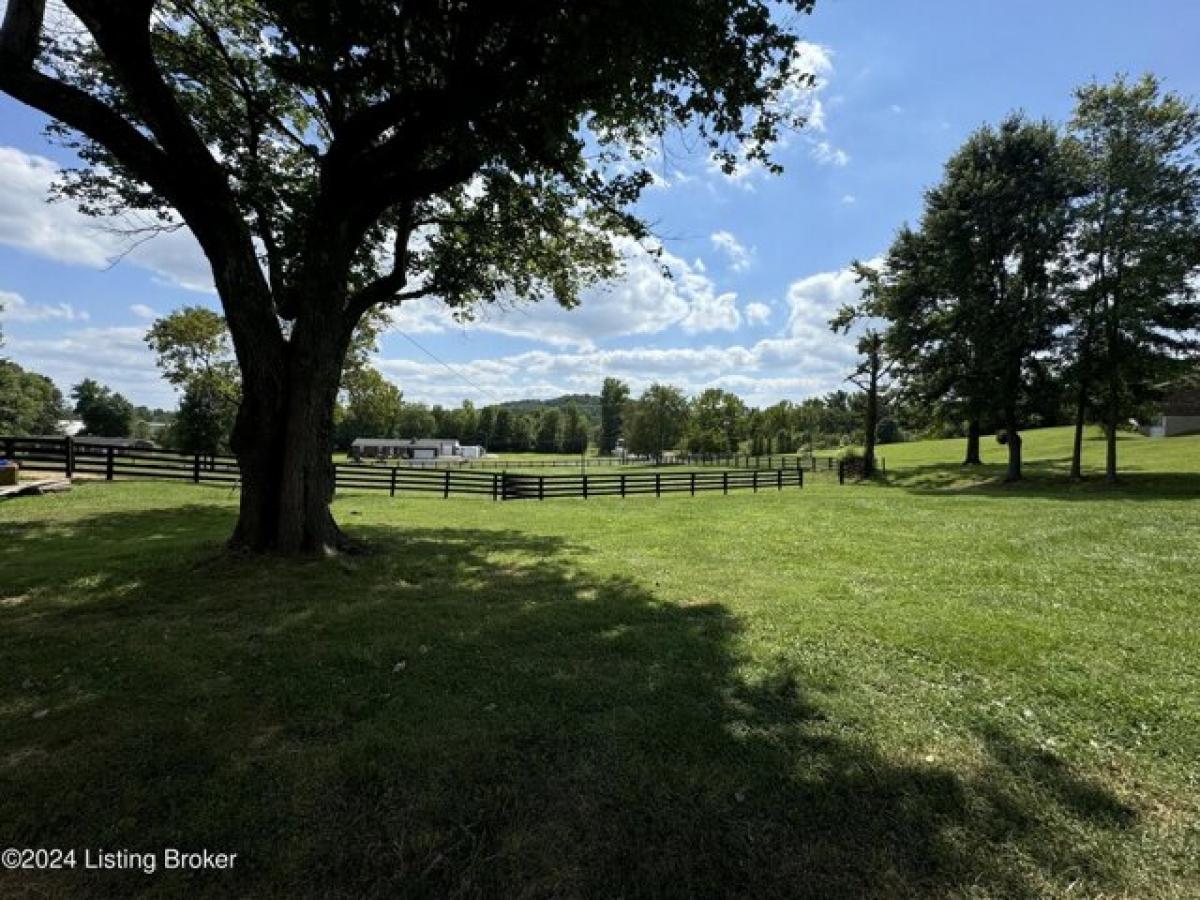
[(935, 686)]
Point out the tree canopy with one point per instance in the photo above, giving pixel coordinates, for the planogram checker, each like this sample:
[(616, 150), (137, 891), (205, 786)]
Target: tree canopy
[(330, 157)]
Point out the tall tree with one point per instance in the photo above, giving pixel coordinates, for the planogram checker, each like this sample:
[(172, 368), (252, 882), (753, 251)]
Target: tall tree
[(104, 413), (29, 402), (372, 407), (1136, 246), (874, 365), (192, 341), (206, 413), (656, 421), (548, 438), (613, 397), (332, 157), (999, 219), (574, 430)]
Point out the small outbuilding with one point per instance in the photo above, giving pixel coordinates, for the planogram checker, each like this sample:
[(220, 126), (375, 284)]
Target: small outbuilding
[(427, 449), (1181, 414)]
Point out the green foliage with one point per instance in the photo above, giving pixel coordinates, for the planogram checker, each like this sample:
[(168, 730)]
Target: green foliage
[(207, 409), (1135, 242), (716, 422), (103, 412), (574, 431), (613, 397), (373, 408), (190, 342), (30, 404), (656, 421), (888, 432), (549, 432)]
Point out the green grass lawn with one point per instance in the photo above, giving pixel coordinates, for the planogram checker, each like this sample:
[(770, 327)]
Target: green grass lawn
[(935, 686)]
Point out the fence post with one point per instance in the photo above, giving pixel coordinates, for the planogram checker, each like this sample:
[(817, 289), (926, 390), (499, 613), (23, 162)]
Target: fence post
[(755, 480), (779, 478), (693, 484), (392, 483), (841, 471), (446, 486), (585, 485), (725, 482), (622, 484), (883, 465), (9, 448), (196, 468), (69, 458), (658, 484), (495, 485), (541, 487), (800, 482), (108, 464)]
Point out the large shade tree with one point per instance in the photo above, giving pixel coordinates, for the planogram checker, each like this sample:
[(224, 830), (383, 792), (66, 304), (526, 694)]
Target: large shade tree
[(334, 155)]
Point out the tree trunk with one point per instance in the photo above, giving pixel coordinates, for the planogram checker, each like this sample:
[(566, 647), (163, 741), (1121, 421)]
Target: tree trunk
[(872, 417), (1112, 418), (972, 457), (283, 439), (1077, 448), (1113, 413), (1011, 424)]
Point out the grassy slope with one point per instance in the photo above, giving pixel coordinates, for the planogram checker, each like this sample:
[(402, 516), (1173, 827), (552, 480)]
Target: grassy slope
[(934, 687)]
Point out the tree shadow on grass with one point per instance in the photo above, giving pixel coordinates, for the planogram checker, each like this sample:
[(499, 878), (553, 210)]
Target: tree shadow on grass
[(1044, 479), (468, 713)]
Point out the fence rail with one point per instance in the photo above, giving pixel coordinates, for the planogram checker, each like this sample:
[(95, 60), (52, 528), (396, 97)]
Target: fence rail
[(76, 456)]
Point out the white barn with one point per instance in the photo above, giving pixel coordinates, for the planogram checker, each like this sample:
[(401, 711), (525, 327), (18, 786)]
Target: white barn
[(427, 449)]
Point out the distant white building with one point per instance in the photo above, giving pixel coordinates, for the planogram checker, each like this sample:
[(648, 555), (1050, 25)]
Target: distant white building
[(70, 427), (427, 449), (1181, 415)]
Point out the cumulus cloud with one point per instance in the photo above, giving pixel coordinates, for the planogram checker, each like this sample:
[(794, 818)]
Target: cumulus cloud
[(642, 301), (802, 97), (737, 254), (757, 313), (762, 373), (142, 311), (116, 356), (58, 231), (15, 308)]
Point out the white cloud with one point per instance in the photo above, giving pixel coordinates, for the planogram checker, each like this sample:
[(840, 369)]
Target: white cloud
[(762, 373), (848, 200), (757, 313), (142, 311), (802, 97), (733, 249), (58, 231), (828, 155), (641, 301), (116, 356), (15, 308), (815, 299)]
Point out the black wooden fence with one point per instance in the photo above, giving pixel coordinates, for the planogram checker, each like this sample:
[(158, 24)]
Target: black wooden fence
[(77, 456)]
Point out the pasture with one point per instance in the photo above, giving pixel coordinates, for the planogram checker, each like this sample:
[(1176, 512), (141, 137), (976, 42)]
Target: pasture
[(932, 686)]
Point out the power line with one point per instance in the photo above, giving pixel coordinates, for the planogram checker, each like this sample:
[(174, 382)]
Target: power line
[(449, 368)]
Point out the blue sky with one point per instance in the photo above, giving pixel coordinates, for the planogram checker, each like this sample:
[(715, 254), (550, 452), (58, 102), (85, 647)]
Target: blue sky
[(760, 261)]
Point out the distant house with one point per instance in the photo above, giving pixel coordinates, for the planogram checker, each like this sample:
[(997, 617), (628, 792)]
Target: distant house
[(70, 427), (427, 449), (1181, 414), (121, 445)]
